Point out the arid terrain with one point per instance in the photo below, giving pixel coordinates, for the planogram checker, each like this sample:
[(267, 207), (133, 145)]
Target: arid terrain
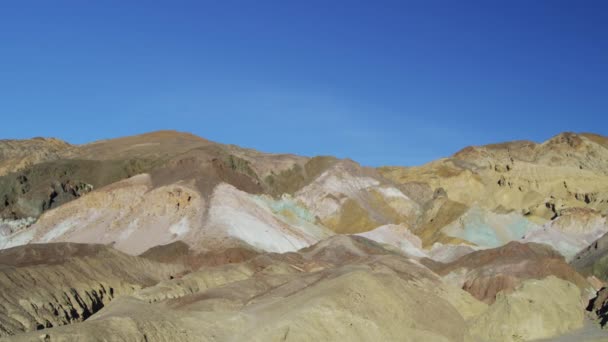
[(167, 236)]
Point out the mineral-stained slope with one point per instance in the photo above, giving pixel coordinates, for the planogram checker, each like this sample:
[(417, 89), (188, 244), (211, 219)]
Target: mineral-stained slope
[(351, 199), (180, 253), (399, 237), (133, 215), (16, 155), (69, 171), (571, 232), (211, 196), (339, 288), (487, 272), (593, 260), (205, 241), (487, 229), (344, 287), (537, 181), (49, 285), (161, 187), (535, 309), (598, 307)]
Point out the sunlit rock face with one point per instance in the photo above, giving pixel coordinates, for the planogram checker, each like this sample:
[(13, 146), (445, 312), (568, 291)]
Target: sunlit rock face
[(50, 285), (487, 229), (156, 188), (486, 273), (186, 239), (571, 232), (535, 309), (538, 181), (350, 199), (319, 290)]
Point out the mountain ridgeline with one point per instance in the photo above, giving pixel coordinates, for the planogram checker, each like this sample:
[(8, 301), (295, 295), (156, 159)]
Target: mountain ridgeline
[(169, 236)]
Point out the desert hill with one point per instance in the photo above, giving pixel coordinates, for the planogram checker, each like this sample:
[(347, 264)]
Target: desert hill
[(342, 287), (212, 239)]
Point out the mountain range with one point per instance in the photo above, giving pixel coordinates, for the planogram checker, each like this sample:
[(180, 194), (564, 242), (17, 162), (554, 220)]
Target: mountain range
[(167, 236)]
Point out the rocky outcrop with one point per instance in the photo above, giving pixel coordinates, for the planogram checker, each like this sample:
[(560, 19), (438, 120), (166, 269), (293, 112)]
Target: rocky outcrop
[(344, 287), (10, 227), (340, 288), (571, 232), (487, 273), (16, 155), (482, 196), (593, 260), (486, 229), (180, 253), (43, 286), (397, 236), (598, 307), (59, 172), (535, 309), (350, 199), (238, 244), (537, 180), (291, 180), (40, 187)]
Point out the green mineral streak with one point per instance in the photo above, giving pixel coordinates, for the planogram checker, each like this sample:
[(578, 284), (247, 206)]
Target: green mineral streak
[(287, 205), (479, 230)]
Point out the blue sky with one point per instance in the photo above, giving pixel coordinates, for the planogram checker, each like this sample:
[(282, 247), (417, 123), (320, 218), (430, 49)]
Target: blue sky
[(381, 82)]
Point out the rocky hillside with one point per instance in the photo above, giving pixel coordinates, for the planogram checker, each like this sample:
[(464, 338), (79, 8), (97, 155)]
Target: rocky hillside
[(302, 244), (341, 288), (162, 187), (539, 182), (49, 285), (167, 186)]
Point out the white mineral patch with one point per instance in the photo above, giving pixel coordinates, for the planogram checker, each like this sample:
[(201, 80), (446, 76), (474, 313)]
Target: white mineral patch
[(448, 253), (392, 192), (253, 231), (327, 193), (21, 238), (398, 236), (60, 229), (132, 227), (180, 228), (251, 220)]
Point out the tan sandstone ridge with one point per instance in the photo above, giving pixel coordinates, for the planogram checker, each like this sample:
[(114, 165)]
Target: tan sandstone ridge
[(538, 181), (536, 309), (55, 284), (19, 154), (487, 273), (345, 287)]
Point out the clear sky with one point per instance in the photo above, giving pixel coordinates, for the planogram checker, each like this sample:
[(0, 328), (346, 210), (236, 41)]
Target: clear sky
[(382, 82)]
